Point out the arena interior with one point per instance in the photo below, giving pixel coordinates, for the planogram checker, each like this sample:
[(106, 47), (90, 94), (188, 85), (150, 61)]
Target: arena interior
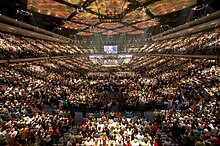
[(109, 72)]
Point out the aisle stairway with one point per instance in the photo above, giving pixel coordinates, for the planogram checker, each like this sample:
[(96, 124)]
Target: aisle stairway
[(167, 141), (164, 136), (60, 142), (48, 109)]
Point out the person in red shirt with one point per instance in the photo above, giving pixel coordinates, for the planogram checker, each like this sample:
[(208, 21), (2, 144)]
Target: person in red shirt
[(154, 129), (117, 114), (84, 127), (70, 120)]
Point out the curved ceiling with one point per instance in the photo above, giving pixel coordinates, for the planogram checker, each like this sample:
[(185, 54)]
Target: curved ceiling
[(108, 17)]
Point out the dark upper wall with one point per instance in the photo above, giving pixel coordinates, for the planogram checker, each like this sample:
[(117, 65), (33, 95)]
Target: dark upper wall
[(17, 27)]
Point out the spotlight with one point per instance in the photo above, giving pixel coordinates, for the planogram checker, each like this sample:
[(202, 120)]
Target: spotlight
[(200, 7)]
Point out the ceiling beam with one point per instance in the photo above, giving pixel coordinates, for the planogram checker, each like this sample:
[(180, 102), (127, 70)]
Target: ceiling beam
[(134, 5), (126, 24), (72, 15), (84, 5), (148, 12), (84, 29), (79, 22), (95, 13)]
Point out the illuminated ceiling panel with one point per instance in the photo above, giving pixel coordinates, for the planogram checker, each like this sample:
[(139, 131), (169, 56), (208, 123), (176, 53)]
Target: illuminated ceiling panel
[(75, 26), (109, 7), (168, 6), (136, 15), (96, 30), (86, 18), (110, 25), (146, 24), (125, 29), (124, 16), (141, 1), (50, 7), (110, 33), (75, 2)]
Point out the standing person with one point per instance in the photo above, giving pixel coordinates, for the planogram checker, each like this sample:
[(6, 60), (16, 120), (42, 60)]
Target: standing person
[(158, 141), (128, 114), (153, 129), (118, 115)]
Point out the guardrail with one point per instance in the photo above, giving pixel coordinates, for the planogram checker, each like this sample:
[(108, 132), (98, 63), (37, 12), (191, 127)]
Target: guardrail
[(136, 54), (29, 59)]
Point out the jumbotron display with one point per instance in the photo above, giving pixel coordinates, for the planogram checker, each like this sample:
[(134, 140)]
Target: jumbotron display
[(111, 49)]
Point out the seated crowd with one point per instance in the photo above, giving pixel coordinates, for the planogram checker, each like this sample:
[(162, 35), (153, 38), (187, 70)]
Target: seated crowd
[(27, 87), (197, 126), (114, 129), (39, 98), (14, 47), (203, 43)]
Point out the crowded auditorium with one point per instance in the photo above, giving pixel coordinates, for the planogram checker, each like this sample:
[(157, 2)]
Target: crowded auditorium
[(110, 73)]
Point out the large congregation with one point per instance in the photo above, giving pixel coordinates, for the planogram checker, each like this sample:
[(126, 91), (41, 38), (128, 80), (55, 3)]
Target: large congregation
[(189, 104), (40, 99)]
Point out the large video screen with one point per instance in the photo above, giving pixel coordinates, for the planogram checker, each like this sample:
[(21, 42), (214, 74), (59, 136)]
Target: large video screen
[(111, 49)]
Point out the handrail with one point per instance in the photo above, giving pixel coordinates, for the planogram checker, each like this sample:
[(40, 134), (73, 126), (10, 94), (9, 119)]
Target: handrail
[(30, 59), (143, 54)]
